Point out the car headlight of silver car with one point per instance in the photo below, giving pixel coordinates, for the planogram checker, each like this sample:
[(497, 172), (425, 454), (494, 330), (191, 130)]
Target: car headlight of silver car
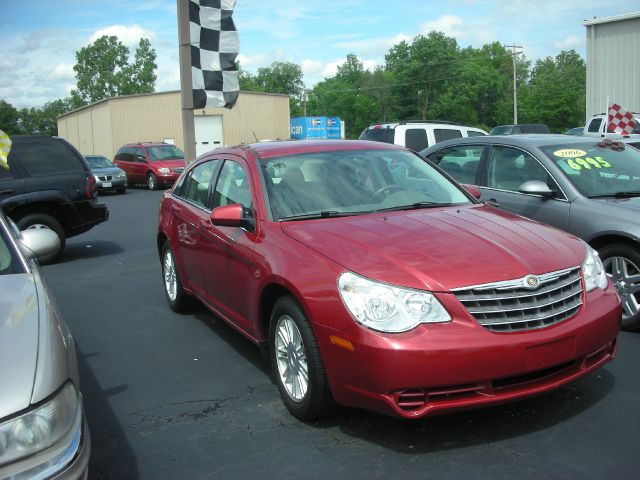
[(41, 427), (593, 271), (388, 308), (121, 174)]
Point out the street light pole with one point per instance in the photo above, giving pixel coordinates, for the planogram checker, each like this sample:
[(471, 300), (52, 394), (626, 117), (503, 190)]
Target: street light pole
[(515, 91)]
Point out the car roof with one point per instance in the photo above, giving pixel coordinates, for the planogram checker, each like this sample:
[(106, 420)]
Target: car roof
[(292, 147), (521, 140), (145, 144)]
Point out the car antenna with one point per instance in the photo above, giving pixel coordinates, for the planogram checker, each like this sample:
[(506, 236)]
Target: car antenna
[(255, 136)]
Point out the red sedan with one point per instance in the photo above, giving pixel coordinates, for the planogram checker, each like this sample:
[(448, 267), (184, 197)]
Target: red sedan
[(375, 281)]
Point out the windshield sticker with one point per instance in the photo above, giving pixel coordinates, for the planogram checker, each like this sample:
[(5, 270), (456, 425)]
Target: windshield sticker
[(569, 153), (587, 163)]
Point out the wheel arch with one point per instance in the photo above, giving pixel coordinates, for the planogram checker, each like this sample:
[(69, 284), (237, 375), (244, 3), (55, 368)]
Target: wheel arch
[(609, 238), (44, 208), (268, 298)]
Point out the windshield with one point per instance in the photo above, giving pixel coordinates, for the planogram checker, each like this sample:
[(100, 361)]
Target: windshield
[(164, 152), (354, 182), (98, 161), (501, 130), (597, 170)]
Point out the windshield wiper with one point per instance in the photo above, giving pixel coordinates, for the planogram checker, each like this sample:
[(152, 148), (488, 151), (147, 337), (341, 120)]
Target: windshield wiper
[(630, 194), (321, 214), (414, 206)]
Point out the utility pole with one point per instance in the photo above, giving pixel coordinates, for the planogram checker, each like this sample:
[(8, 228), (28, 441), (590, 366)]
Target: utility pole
[(304, 100), (515, 91), (184, 42)]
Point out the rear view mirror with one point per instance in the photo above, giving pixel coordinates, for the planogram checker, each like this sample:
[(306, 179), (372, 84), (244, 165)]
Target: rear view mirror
[(536, 187), (38, 243)]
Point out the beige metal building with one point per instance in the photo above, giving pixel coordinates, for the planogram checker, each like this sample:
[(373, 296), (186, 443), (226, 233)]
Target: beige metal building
[(613, 62), (103, 127)]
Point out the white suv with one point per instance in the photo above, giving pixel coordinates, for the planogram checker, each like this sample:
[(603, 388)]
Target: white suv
[(418, 134), (596, 125)]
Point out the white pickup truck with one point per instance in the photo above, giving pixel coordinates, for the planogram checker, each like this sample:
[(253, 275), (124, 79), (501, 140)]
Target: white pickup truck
[(596, 128)]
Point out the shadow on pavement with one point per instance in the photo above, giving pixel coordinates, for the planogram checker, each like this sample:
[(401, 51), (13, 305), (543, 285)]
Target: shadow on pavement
[(475, 427), (89, 249), (111, 454)]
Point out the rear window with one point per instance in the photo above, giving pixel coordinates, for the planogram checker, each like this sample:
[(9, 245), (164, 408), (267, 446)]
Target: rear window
[(416, 139), (442, 134), (473, 133), (378, 134), (532, 129), (42, 157), (504, 130)]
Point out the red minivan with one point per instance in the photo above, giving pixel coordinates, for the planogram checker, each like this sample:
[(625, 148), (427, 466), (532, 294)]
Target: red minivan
[(373, 280), (153, 164)]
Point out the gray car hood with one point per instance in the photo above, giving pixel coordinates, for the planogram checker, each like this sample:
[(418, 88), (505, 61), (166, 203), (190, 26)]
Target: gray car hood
[(18, 341), (106, 171)]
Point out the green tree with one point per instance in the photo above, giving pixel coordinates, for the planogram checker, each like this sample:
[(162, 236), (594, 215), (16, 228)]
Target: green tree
[(103, 70), (8, 118), (281, 77)]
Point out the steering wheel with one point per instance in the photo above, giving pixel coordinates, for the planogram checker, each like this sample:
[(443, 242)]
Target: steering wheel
[(385, 191)]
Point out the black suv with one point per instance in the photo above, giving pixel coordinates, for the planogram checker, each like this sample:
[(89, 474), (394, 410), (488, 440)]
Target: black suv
[(49, 185)]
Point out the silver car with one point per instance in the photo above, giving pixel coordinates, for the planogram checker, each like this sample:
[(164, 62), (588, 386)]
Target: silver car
[(586, 186), (43, 430), (108, 176)]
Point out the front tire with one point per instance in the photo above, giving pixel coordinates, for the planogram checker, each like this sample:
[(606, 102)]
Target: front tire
[(179, 300), (152, 181), (622, 264), (43, 220), (296, 362)]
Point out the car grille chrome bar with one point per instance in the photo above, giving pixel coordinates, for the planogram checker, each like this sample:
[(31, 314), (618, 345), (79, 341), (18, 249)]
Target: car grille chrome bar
[(512, 306), (105, 178)]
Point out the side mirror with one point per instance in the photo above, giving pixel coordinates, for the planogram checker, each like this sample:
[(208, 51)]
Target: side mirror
[(38, 243), (537, 187), (473, 190), (231, 216)]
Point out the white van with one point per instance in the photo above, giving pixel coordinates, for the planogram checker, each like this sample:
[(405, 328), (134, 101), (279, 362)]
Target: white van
[(418, 134)]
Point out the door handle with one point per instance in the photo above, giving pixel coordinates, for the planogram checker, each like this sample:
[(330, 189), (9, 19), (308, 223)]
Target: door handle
[(206, 224), (176, 208), (493, 202)]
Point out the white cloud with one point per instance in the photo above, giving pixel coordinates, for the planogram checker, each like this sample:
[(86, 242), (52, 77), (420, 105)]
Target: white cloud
[(63, 70), (570, 42), (129, 35), (447, 24)]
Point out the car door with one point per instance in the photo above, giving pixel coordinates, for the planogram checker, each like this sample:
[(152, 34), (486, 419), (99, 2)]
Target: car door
[(508, 167), (124, 160), (190, 209), (139, 165), (227, 253)]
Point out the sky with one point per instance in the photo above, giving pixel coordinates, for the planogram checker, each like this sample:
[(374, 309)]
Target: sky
[(40, 37)]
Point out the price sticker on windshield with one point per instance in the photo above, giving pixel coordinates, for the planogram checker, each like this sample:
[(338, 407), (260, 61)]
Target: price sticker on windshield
[(587, 163), (569, 153)]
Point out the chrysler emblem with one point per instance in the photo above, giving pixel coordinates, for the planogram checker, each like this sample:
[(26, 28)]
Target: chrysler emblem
[(531, 281)]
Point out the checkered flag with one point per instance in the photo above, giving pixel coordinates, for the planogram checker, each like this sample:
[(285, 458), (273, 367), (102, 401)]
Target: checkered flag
[(214, 48), (620, 121)]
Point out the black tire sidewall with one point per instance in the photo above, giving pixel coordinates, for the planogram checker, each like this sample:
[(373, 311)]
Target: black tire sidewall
[(317, 401), (633, 255)]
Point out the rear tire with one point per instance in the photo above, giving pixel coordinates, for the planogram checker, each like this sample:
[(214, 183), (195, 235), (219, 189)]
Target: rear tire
[(622, 263), (152, 181), (296, 362), (43, 220), (179, 300)]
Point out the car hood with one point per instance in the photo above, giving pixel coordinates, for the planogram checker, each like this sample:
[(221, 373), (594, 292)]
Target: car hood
[(18, 341), (106, 171), (169, 163), (439, 249)]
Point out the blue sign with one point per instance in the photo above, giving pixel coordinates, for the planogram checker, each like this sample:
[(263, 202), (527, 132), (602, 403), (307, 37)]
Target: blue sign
[(319, 128)]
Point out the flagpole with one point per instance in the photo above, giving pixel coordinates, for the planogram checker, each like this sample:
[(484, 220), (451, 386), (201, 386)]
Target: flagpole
[(186, 87), (606, 118)]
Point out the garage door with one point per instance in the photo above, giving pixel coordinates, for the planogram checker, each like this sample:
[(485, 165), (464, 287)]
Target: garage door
[(208, 129)]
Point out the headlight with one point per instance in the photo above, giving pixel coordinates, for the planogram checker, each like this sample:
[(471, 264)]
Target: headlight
[(164, 170), (121, 174), (40, 427), (593, 271), (387, 308)]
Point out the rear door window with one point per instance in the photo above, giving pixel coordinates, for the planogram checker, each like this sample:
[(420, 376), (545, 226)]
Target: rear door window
[(442, 134), (43, 157), (416, 139), (594, 125), (195, 188)]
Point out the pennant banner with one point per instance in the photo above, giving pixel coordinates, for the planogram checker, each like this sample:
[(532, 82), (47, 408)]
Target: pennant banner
[(5, 146), (214, 48), (620, 121)]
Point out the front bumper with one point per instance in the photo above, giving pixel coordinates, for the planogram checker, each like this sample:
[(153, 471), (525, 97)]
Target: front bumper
[(167, 178), (459, 365), (113, 184)]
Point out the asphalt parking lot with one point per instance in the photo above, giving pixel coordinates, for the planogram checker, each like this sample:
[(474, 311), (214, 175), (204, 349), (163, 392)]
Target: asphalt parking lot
[(173, 396)]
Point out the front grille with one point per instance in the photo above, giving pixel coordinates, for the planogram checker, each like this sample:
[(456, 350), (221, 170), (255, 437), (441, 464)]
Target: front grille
[(512, 306), (105, 178)]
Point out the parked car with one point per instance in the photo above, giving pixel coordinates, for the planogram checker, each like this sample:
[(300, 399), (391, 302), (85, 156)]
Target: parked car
[(577, 131), (49, 185), (154, 164), (597, 124), (418, 134), (43, 430), (399, 294), (520, 128), (588, 187), (108, 176)]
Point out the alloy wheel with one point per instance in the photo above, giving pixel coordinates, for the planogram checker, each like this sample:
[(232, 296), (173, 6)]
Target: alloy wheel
[(170, 281), (625, 276), (291, 358)]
